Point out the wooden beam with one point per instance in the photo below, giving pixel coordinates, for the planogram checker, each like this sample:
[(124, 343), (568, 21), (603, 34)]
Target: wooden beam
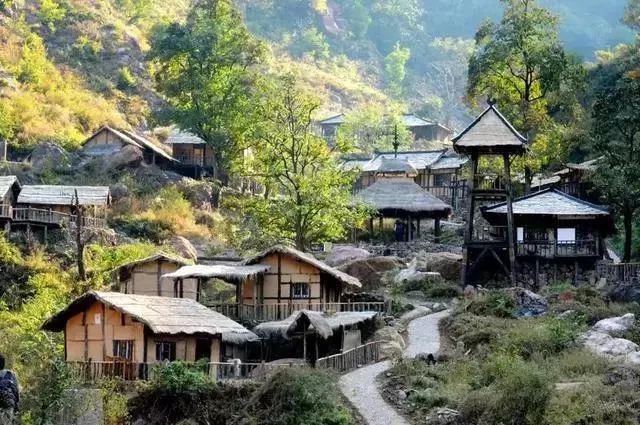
[(510, 222), (499, 260), (436, 230)]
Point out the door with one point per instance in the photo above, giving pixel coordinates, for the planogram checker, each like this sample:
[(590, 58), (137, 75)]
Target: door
[(203, 349)]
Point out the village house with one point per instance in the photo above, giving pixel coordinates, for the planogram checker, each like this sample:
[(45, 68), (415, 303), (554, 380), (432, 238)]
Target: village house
[(312, 335), (195, 157), (144, 277), (9, 190), (558, 237), (573, 179), (276, 283), (395, 195), (420, 129), (440, 172), (107, 141), (105, 328)]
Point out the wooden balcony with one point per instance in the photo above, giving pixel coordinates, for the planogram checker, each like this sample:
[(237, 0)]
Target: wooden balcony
[(488, 235), (279, 311), (554, 249), (622, 272), (48, 217)]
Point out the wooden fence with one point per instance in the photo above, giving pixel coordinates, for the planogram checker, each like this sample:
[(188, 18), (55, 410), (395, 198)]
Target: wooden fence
[(622, 272), (47, 216), (351, 359)]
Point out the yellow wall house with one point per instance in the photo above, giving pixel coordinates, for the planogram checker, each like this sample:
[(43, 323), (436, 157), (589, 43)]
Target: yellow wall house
[(144, 277), (111, 326)]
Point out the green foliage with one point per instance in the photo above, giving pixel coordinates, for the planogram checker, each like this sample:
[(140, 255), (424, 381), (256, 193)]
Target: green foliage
[(126, 79), (114, 402), (495, 303), (311, 200), (394, 69), (372, 128), (101, 261), (300, 397), (434, 288), (179, 377), (48, 395), (50, 12), (204, 67), (143, 228), (311, 41)]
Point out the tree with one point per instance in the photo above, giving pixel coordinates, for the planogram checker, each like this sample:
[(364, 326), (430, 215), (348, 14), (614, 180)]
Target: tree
[(632, 15), (522, 64), (311, 194), (616, 132), (395, 69), (204, 68)]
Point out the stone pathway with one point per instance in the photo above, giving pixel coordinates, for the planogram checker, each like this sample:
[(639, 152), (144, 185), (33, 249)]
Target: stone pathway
[(360, 385)]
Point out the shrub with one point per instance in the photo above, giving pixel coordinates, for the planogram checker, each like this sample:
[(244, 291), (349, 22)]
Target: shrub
[(126, 79), (143, 228), (540, 337), (495, 303), (114, 402), (179, 377), (433, 288)]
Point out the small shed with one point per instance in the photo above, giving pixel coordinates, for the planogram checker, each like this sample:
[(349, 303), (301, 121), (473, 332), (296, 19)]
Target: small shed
[(193, 154), (144, 277), (108, 141), (9, 190), (63, 199), (396, 195), (312, 334), (111, 326)]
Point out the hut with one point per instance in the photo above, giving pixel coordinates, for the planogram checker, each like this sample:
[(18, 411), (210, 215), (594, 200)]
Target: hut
[(557, 235), (396, 195), (311, 334), (139, 329), (195, 157), (144, 277), (274, 284), (108, 141), (49, 205), (9, 190)]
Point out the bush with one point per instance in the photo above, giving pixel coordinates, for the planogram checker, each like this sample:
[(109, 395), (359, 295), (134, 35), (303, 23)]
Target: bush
[(114, 402), (179, 377), (434, 288), (126, 79), (495, 303), (143, 228), (543, 337)]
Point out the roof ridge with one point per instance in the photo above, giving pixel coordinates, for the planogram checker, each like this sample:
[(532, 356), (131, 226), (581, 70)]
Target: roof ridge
[(502, 118)]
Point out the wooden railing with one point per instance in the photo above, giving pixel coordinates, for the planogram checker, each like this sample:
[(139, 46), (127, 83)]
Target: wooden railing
[(351, 359), (622, 272), (488, 182), (489, 234), (91, 372), (40, 215), (550, 249), (269, 312)]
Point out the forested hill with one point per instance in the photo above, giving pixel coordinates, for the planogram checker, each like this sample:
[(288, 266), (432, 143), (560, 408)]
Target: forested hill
[(69, 66)]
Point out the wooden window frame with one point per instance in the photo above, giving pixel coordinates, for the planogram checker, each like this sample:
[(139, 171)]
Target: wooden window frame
[(163, 348)]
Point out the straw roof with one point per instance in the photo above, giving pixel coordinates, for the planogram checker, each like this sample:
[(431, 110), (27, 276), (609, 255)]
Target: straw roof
[(64, 195), (236, 273), (490, 130), (450, 160), (153, 258), (7, 183), (309, 259), (402, 195), (162, 315), (420, 160), (178, 137), (320, 323), (148, 144), (132, 139), (550, 202), (396, 166)]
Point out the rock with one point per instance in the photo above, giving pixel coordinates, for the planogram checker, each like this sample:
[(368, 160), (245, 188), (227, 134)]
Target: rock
[(401, 395), (412, 274), (119, 191), (444, 416), (414, 294), (371, 271), (624, 292), (529, 303), (566, 314), (615, 326), (127, 157), (392, 345), (184, 248), (470, 292), (436, 307), (622, 373), (448, 264), (199, 193), (48, 155), (416, 313), (605, 345), (343, 254)]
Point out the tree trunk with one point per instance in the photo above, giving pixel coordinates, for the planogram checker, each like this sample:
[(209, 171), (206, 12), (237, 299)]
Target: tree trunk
[(528, 178), (628, 232)]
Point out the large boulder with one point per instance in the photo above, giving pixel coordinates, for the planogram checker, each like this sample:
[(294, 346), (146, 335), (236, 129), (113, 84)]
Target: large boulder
[(448, 264), (344, 254), (615, 326), (371, 271), (184, 248), (529, 303), (127, 157), (48, 155), (392, 343), (444, 416), (199, 193)]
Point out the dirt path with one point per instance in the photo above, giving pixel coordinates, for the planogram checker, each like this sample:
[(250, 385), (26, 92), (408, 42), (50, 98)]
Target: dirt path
[(360, 385)]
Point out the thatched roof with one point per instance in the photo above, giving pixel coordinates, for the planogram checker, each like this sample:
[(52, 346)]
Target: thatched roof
[(550, 202), (309, 259), (153, 258), (491, 131), (128, 138), (334, 120), (162, 315), (402, 196), (64, 195), (7, 183), (449, 160), (235, 273), (178, 137), (148, 144), (419, 160), (396, 166), (320, 323)]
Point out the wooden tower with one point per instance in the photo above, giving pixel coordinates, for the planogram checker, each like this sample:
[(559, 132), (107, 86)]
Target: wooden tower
[(489, 135)]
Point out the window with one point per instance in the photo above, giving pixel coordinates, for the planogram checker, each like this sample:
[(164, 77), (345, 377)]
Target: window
[(441, 180), (165, 351), (520, 234), (301, 290), (567, 235), (123, 349)]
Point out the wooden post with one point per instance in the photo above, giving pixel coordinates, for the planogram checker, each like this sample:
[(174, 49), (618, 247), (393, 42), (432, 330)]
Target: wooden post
[(468, 237), (304, 344), (380, 223), (436, 230), (418, 227), (510, 229)]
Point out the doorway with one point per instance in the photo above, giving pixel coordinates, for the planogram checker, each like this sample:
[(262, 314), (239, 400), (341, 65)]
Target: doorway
[(203, 349)]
